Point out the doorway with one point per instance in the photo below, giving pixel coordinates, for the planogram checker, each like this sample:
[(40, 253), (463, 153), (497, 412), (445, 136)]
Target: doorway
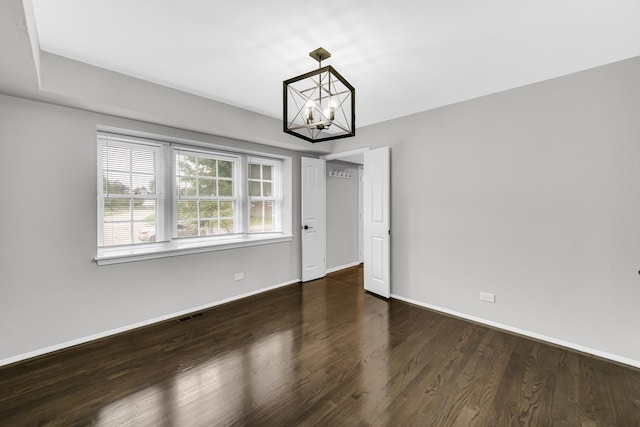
[(344, 215), (352, 164), (376, 213), (375, 207)]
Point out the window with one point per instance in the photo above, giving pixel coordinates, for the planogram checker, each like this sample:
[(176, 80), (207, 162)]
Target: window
[(206, 199), (129, 199), (159, 198), (263, 195)]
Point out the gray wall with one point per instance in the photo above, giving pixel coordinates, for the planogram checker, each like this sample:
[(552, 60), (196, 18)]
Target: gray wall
[(51, 292), (342, 217), (532, 194)]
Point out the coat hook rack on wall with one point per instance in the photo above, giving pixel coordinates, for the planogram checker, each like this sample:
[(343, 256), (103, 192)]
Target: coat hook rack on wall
[(341, 173)]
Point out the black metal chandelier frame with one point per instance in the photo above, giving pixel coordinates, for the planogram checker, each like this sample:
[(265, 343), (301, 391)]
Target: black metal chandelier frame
[(306, 96)]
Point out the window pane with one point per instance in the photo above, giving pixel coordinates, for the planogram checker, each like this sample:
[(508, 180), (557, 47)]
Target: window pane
[(206, 187), (268, 216), (152, 186), (254, 171), (187, 209), (208, 227), (208, 209), (117, 233), (261, 216), (226, 226), (145, 231), (116, 158), (225, 169), (226, 209), (255, 216), (254, 188), (144, 209), (225, 188), (116, 183), (266, 189), (187, 228), (266, 172), (117, 210), (186, 186), (143, 161), (207, 167), (186, 165), (143, 184)]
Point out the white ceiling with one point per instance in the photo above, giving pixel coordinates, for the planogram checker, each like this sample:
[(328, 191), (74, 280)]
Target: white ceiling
[(402, 56)]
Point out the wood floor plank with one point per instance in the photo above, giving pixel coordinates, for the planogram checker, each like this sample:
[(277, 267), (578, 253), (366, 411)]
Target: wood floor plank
[(319, 353)]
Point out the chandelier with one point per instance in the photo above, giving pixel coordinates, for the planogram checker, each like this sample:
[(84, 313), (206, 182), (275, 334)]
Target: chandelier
[(319, 105)]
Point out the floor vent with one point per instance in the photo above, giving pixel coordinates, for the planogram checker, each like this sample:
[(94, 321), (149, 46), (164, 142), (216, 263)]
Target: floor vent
[(189, 317)]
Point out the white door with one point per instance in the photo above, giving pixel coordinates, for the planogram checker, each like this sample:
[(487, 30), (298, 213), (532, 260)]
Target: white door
[(314, 218), (377, 231)]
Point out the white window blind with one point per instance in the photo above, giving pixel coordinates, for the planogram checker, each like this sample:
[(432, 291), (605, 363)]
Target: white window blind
[(128, 192)]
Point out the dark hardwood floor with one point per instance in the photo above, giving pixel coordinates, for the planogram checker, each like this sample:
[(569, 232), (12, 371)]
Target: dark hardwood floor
[(320, 353)]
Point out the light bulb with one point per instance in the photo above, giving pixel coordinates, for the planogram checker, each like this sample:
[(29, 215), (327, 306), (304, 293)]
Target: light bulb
[(309, 111), (330, 112)]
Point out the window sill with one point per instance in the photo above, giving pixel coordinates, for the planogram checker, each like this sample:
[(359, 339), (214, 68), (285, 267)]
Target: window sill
[(108, 256)]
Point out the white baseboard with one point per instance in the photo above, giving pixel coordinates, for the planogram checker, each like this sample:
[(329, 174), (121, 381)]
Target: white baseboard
[(342, 267), (534, 335), (105, 334), (519, 331)]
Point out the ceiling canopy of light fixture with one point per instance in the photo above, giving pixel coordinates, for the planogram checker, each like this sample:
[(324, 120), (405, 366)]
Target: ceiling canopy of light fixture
[(319, 105)]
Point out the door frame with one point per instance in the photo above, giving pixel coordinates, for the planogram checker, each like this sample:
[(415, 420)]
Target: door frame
[(357, 156)]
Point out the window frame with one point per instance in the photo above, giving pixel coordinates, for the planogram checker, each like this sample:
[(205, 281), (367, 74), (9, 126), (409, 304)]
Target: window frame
[(167, 241), (276, 188), (235, 198), (159, 195)]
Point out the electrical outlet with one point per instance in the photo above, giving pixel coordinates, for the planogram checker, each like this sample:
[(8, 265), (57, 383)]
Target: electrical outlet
[(239, 276), (486, 296)]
